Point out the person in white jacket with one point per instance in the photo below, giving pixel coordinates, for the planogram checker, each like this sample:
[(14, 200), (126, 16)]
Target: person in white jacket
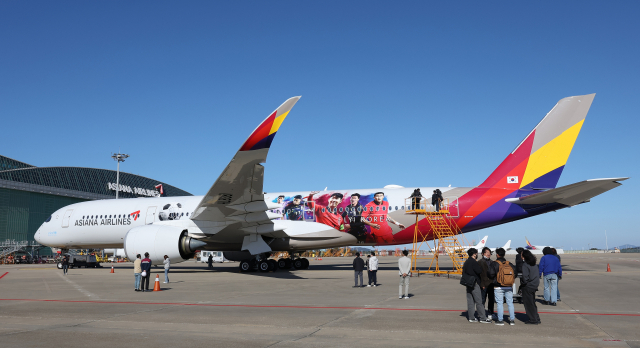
[(372, 270), (404, 264), (167, 266)]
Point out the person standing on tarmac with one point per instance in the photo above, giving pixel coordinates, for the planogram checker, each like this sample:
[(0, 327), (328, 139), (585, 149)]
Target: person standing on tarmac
[(502, 272), (145, 264), (358, 267), (486, 284), (552, 270), (372, 269), (167, 267), (404, 266), (137, 269), (529, 286), (65, 264), (210, 261), (472, 268), (555, 253)]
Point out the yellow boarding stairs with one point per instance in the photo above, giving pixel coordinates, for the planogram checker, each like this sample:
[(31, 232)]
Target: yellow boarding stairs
[(447, 238)]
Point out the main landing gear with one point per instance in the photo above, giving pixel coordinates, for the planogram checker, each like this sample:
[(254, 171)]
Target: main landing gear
[(263, 264)]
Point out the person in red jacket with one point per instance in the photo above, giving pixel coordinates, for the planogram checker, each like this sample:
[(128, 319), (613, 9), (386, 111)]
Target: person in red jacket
[(376, 212), (328, 215)]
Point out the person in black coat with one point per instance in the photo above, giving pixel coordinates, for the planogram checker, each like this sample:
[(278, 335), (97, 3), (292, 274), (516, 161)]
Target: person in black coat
[(472, 268), (529, 286), (358, 267), (416, 197), (519, 261), (486, 285)]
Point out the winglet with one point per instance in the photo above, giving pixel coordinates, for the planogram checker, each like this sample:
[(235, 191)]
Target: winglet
[(262, 136)]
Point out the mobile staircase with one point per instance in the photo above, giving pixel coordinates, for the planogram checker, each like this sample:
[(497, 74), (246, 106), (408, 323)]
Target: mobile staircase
[(447, 238)]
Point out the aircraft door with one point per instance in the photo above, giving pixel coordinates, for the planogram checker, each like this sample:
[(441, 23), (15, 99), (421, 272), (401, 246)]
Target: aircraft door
[(66, 217), (453, 206), (151, 213)]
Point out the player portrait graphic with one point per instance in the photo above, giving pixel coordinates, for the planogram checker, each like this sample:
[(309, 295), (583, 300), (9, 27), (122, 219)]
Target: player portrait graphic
[(352, 216), (376, 212), (365, 216), (328, 214), (294, 210)]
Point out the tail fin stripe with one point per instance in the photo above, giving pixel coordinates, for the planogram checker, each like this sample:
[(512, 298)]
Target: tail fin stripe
[(552, 155)]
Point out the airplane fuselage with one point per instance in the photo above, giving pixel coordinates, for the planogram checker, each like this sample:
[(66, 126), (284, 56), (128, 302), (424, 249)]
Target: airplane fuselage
[(105, 223)]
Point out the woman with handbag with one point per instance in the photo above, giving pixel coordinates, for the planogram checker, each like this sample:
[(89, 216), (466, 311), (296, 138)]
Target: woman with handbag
[(471, 272)]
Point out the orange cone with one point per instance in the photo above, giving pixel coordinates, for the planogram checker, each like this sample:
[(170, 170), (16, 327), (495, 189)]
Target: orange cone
[(112, 270), (608, 268), (156, 287)]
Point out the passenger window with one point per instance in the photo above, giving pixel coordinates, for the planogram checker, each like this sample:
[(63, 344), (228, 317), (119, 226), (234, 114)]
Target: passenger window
[(396, 207)]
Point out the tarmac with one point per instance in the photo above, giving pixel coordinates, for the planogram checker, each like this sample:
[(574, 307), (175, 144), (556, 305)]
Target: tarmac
[(318, 307)]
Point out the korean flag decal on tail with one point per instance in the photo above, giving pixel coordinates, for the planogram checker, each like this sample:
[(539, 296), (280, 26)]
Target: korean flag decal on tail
[(512, 179)]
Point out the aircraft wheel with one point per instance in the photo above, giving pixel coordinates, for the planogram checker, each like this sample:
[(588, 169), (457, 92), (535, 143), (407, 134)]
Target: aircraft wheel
[(263, 266), (282, 263), (245, 266), (298, 264), (59, 265), (273, 265), (305, 263)]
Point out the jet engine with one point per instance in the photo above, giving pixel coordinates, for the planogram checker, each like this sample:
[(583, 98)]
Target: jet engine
[(159, 240)]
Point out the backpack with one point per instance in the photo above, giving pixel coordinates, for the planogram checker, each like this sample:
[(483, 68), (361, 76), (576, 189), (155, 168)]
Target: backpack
[(505, 274)]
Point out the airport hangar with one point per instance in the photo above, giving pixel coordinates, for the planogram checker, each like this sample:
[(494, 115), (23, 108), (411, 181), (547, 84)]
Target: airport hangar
[(30, 194)]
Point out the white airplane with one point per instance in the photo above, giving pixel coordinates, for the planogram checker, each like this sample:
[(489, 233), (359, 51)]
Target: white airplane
[(463, 249), (537, 249), (236, 215), (506, 247)]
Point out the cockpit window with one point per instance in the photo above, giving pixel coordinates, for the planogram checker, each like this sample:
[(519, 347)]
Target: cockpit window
[(48, 219), (166, 206)]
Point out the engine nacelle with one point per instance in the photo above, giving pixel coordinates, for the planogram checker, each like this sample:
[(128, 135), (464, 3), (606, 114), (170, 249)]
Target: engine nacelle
[(160, 240)]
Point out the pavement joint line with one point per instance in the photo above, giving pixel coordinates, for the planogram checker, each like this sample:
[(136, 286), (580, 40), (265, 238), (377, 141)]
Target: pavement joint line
[(299, 307), (78, 287), (5, 273)]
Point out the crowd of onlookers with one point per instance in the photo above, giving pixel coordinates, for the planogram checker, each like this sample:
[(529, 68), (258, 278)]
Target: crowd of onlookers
[(495, 280), (488, 282)]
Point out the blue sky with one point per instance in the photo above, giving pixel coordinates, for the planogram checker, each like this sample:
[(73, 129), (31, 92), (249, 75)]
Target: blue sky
[(409, 93)]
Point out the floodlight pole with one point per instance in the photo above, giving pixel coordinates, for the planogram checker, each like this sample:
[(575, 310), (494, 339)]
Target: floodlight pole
[(120, 157), (606, 241)]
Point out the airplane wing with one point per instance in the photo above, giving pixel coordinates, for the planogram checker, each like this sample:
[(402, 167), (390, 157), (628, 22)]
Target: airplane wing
[(570, 195), (236, 199)]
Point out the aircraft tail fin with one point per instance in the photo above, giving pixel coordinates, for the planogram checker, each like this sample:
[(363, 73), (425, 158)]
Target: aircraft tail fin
[(480, 245), (539, 159), (529, 246), (507, 246)]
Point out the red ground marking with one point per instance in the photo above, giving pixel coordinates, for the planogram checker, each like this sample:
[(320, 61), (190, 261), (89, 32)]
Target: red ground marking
[(5, 273), (295, 307)]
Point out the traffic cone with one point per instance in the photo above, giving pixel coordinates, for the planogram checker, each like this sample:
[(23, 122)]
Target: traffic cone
[(112, 270), (608, 268), (156, 287)]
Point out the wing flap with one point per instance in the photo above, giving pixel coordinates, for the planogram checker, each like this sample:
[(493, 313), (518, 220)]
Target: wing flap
[(570, 195)]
